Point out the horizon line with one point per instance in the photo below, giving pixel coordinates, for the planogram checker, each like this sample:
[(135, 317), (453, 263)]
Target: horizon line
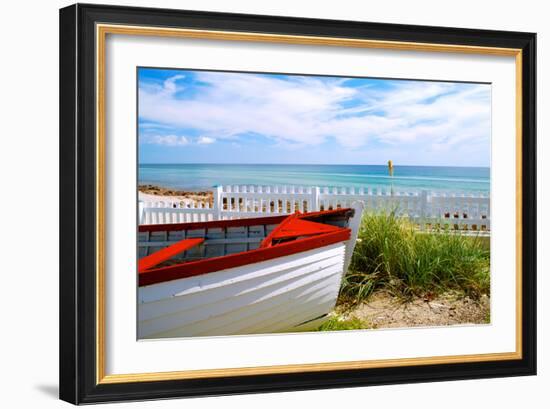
[(311, 164)]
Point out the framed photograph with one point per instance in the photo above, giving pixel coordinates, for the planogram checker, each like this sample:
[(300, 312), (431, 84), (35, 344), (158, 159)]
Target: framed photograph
[(258, 203)]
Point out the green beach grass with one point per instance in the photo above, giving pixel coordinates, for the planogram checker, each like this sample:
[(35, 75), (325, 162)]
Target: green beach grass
[(337, 323), (391, 254)]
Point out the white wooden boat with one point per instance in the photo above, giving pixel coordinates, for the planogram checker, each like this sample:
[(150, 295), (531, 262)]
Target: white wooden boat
[(247, 276)]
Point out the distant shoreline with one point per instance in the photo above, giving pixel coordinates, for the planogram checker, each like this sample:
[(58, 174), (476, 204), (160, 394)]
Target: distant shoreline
[(199, 178), (152, 193), (307, 164)]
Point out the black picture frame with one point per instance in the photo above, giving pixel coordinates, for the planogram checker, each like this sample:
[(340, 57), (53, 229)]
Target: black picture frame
[(78, 256)]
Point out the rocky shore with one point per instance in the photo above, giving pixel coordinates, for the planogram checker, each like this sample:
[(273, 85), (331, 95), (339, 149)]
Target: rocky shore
[(153, 193)]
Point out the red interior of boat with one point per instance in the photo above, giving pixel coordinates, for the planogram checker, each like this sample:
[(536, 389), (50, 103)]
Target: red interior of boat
[(167, 253), (293, 234), (293, 227)]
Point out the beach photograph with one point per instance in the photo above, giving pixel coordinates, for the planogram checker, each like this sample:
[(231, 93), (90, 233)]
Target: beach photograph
[(282, 203)]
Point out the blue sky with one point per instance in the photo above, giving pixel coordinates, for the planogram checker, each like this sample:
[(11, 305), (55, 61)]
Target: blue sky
[(188, 116)]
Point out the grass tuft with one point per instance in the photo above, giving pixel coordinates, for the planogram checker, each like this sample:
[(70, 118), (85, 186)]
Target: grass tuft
[(391, 254), (337, 323)]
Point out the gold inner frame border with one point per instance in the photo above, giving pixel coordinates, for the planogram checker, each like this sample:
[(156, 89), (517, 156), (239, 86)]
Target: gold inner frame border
[(102, 30)]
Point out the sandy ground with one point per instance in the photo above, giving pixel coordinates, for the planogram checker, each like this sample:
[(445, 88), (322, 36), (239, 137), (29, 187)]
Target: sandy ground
[(152, 193), (384, 311), (148, 197)]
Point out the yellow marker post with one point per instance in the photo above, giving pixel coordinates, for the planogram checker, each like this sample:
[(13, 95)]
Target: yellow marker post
[(390, 170)]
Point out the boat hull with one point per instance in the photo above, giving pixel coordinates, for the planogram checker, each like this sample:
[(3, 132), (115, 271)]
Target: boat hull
[(287, 294)]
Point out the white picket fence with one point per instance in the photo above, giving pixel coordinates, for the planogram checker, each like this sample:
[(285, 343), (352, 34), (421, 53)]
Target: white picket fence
[(469, 213)]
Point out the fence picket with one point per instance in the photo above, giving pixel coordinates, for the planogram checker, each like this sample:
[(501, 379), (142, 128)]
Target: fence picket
[(464, 212)]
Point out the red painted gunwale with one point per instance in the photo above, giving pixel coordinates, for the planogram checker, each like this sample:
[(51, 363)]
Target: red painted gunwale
[(199, 267), (324, 236), (235, 222)]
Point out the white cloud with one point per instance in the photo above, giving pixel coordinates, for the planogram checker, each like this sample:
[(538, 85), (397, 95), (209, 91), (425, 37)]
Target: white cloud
[(205, 140), (306, 111), (170, 84), (168, 140)]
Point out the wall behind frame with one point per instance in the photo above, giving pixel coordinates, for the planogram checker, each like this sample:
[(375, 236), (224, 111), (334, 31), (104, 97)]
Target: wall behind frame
[(29, 192)]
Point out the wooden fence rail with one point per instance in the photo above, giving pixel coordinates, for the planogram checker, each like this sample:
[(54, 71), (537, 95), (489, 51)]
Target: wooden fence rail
[(470, 213)]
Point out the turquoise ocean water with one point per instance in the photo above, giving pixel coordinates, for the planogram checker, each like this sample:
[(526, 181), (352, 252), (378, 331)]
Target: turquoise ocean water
[(406, 178)]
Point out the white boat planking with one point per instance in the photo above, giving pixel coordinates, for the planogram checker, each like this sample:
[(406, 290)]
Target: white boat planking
[(232, 307), (234, 301), (161, 291)]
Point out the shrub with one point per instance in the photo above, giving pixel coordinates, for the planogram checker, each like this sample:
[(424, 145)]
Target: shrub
[(336, 323), (392, 254)]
